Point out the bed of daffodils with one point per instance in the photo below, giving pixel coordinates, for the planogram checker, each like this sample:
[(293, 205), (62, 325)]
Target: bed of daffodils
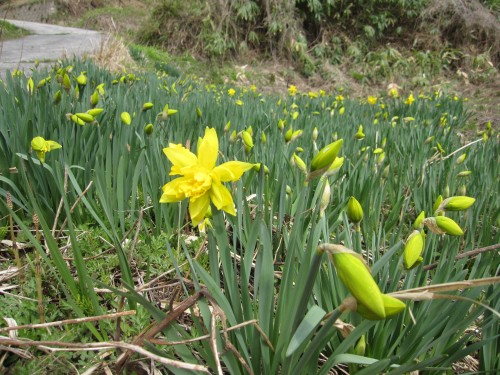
[(302, 234)]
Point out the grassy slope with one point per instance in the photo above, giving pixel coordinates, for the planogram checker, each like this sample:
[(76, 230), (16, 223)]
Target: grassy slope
[(9, 31)]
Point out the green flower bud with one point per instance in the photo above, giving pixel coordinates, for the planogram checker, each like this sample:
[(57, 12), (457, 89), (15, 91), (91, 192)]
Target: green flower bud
[(257, 166), (443, 225), (315, 134), (288, 134), (325, 198), (456, 203), (94, 99), (148, 129), (296, 160), (288, 190), (360, 135), (57, 97), (227, 126), (125, 117), (82, 79), (354, 210), (464, 174), (461, 159), (199, 113), (66, 82), (95, 111), (413, 248), (247, 139), (325, 157), (392, 306), (418, 221), (233, 136), (360, 347), (263, 137), (355, 275), (86, 117), (437, 203), (146, 106)]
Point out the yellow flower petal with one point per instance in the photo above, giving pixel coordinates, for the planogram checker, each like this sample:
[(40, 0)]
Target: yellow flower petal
[(173, 192), (208, 149), (221, 198), (180, 157), (231, 170), (198, 208), (53, 145)]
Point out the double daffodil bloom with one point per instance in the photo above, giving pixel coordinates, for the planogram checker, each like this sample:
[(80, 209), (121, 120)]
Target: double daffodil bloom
[(201, 180), (41, 146)]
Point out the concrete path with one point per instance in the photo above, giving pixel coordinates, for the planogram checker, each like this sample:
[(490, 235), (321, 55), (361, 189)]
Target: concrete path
[(48, 43)]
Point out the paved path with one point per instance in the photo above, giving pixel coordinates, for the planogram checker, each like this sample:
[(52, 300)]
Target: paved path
[(47, 43)]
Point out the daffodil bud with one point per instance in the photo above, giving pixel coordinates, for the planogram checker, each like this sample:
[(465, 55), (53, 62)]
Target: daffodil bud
[(437, 203), (355, 275), (94, 112), (325, 198), (385, 172), (429, 139), (456, 203), (325, 157), (281, 124), (82, 79), (378, 150), (247, 139), (148, 129), (461, 158), (360, 135), (30, 86), (125, 117), (462, 190), (227, 126), (354, 210), (77, 120), (94, 99), (315, 134), (146, 106), (233, 136), (443, 225), (66, 82), (257, 167), (288, 134), (334, 168), (464, 174), (297, 161), (392, 306), (341, 111), (263, 137), (413, 249), (43, 82), (381, 158), (288, 190), (57, 97), (199, 113), (360, 347), (418, 221)]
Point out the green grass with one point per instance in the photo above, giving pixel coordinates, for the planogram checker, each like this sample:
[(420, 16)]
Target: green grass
[(9, 31), (103, 187)]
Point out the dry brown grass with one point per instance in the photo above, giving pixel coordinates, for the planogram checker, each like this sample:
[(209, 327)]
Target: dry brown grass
[(464, 23), (113, 55)]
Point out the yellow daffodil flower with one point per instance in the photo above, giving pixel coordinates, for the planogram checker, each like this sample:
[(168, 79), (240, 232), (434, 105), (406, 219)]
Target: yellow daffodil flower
[(372, 100), (410, 99), (231, 92), (292, 90), (41, 146), (201, 180)]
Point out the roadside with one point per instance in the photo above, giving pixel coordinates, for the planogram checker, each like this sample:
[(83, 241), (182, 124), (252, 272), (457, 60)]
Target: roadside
[(46, 44)]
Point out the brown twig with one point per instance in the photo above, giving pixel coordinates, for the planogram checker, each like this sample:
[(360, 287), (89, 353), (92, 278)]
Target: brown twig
[(467, 254), (69, 321), (68, 346), (73, 207)]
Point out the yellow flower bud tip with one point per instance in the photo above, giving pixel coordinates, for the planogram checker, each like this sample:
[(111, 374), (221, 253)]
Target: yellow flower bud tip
[(125, 117), (325, 157), (263, 137), (418, 221), (77, 120), (413, 248), (464, 174), (288, 134), (378, 150), (147, 106), (437, 203), (148, 129), (325, 198), (233, 136), (299, 163), (456, 203), (315, 134), (199, 113), (356, 276), (354, 210), (247, 139), (360, 347), (296, 134), (461, 159), (227, 126), (95, 111), (392, 307), (443, 225)]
